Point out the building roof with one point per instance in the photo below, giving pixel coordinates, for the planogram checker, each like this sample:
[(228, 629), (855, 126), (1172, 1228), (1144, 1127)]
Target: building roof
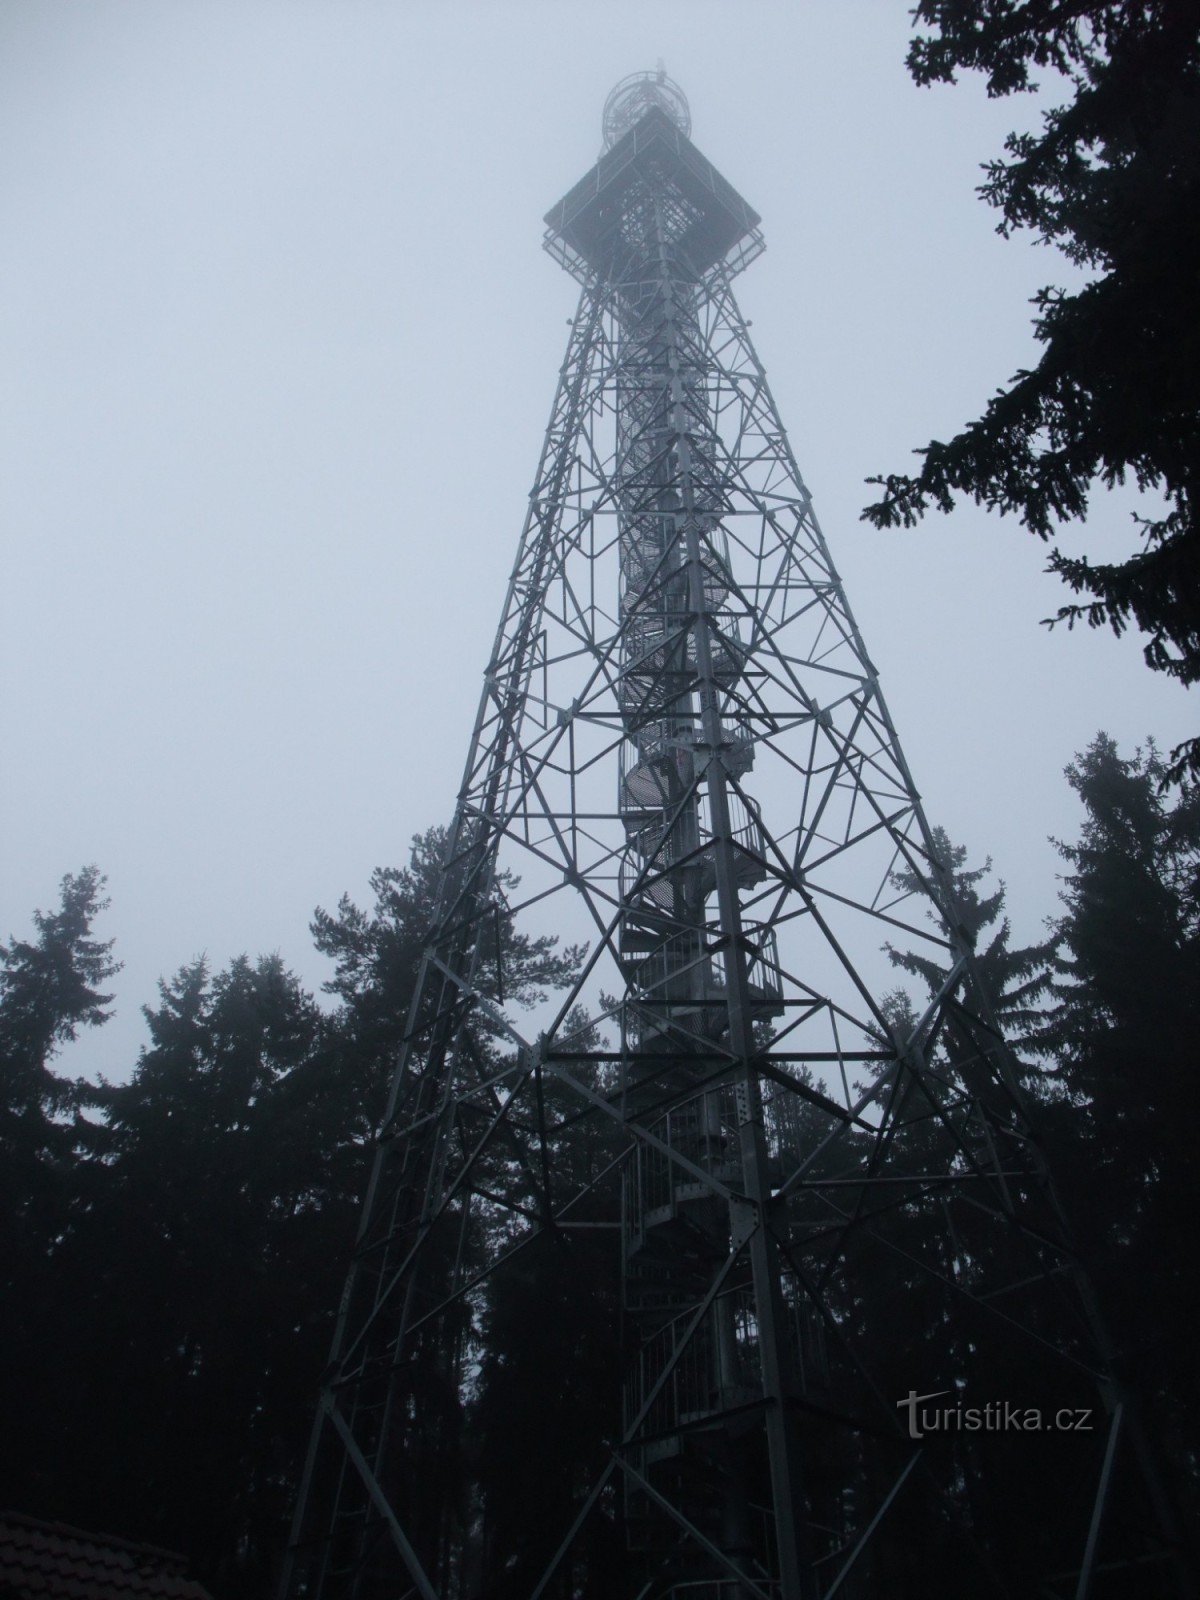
[(51, 1561)]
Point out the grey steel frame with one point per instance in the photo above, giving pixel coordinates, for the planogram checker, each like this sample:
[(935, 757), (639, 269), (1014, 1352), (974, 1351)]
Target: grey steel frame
[(682, 737)]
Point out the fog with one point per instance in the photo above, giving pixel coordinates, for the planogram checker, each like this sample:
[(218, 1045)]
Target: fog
[(279, 342)]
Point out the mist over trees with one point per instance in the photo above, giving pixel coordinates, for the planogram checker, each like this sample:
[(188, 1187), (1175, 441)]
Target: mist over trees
[(175, 1245), (172, 1247)]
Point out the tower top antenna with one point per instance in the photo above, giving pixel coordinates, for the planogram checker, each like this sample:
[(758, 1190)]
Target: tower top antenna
[(635, 95)]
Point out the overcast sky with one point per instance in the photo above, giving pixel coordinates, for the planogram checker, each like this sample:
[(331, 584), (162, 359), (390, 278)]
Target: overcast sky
[(278, 344)]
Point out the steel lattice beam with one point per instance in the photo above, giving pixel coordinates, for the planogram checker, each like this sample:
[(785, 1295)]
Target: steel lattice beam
[(683, 750)]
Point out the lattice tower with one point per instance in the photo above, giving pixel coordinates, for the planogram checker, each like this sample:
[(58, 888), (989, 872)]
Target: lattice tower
[(822, 1200)]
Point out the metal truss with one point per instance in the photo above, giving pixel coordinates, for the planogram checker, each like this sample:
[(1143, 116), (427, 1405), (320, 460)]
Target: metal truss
[(683, 751)]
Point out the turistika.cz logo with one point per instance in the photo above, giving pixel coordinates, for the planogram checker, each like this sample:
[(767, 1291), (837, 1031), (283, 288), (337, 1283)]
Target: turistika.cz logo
[(997, 1416)]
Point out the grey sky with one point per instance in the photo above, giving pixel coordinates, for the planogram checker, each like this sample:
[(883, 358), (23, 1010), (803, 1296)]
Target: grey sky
[(278, 342)]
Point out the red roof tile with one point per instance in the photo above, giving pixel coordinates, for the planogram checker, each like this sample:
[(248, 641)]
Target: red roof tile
[(51, 1561)]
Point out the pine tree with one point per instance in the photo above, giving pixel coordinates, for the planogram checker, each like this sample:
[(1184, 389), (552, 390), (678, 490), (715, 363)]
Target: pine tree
[(377, 956), (948, 1327), (1113, 182), (177, 1253), (551, 1324), (1016, 982), (50, 989), (190, 1289), (1125, 1031)]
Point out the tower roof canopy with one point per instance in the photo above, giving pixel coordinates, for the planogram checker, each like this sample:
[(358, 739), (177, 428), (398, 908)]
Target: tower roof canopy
[(584, 230)]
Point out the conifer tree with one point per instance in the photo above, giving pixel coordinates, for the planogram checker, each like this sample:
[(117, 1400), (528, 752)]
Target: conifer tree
[(193, 1294), (50, 989), (1124, 1031), (1112, 180), (1016, 982)]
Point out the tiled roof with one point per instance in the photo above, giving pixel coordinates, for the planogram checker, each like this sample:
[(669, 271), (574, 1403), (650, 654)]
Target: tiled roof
[(50, 1561)]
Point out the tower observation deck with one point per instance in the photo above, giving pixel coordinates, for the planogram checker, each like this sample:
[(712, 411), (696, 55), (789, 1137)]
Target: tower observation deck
[(785, 1200)]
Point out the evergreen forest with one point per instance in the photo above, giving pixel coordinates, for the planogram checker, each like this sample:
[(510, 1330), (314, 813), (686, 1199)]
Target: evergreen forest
[(174, 1245)]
